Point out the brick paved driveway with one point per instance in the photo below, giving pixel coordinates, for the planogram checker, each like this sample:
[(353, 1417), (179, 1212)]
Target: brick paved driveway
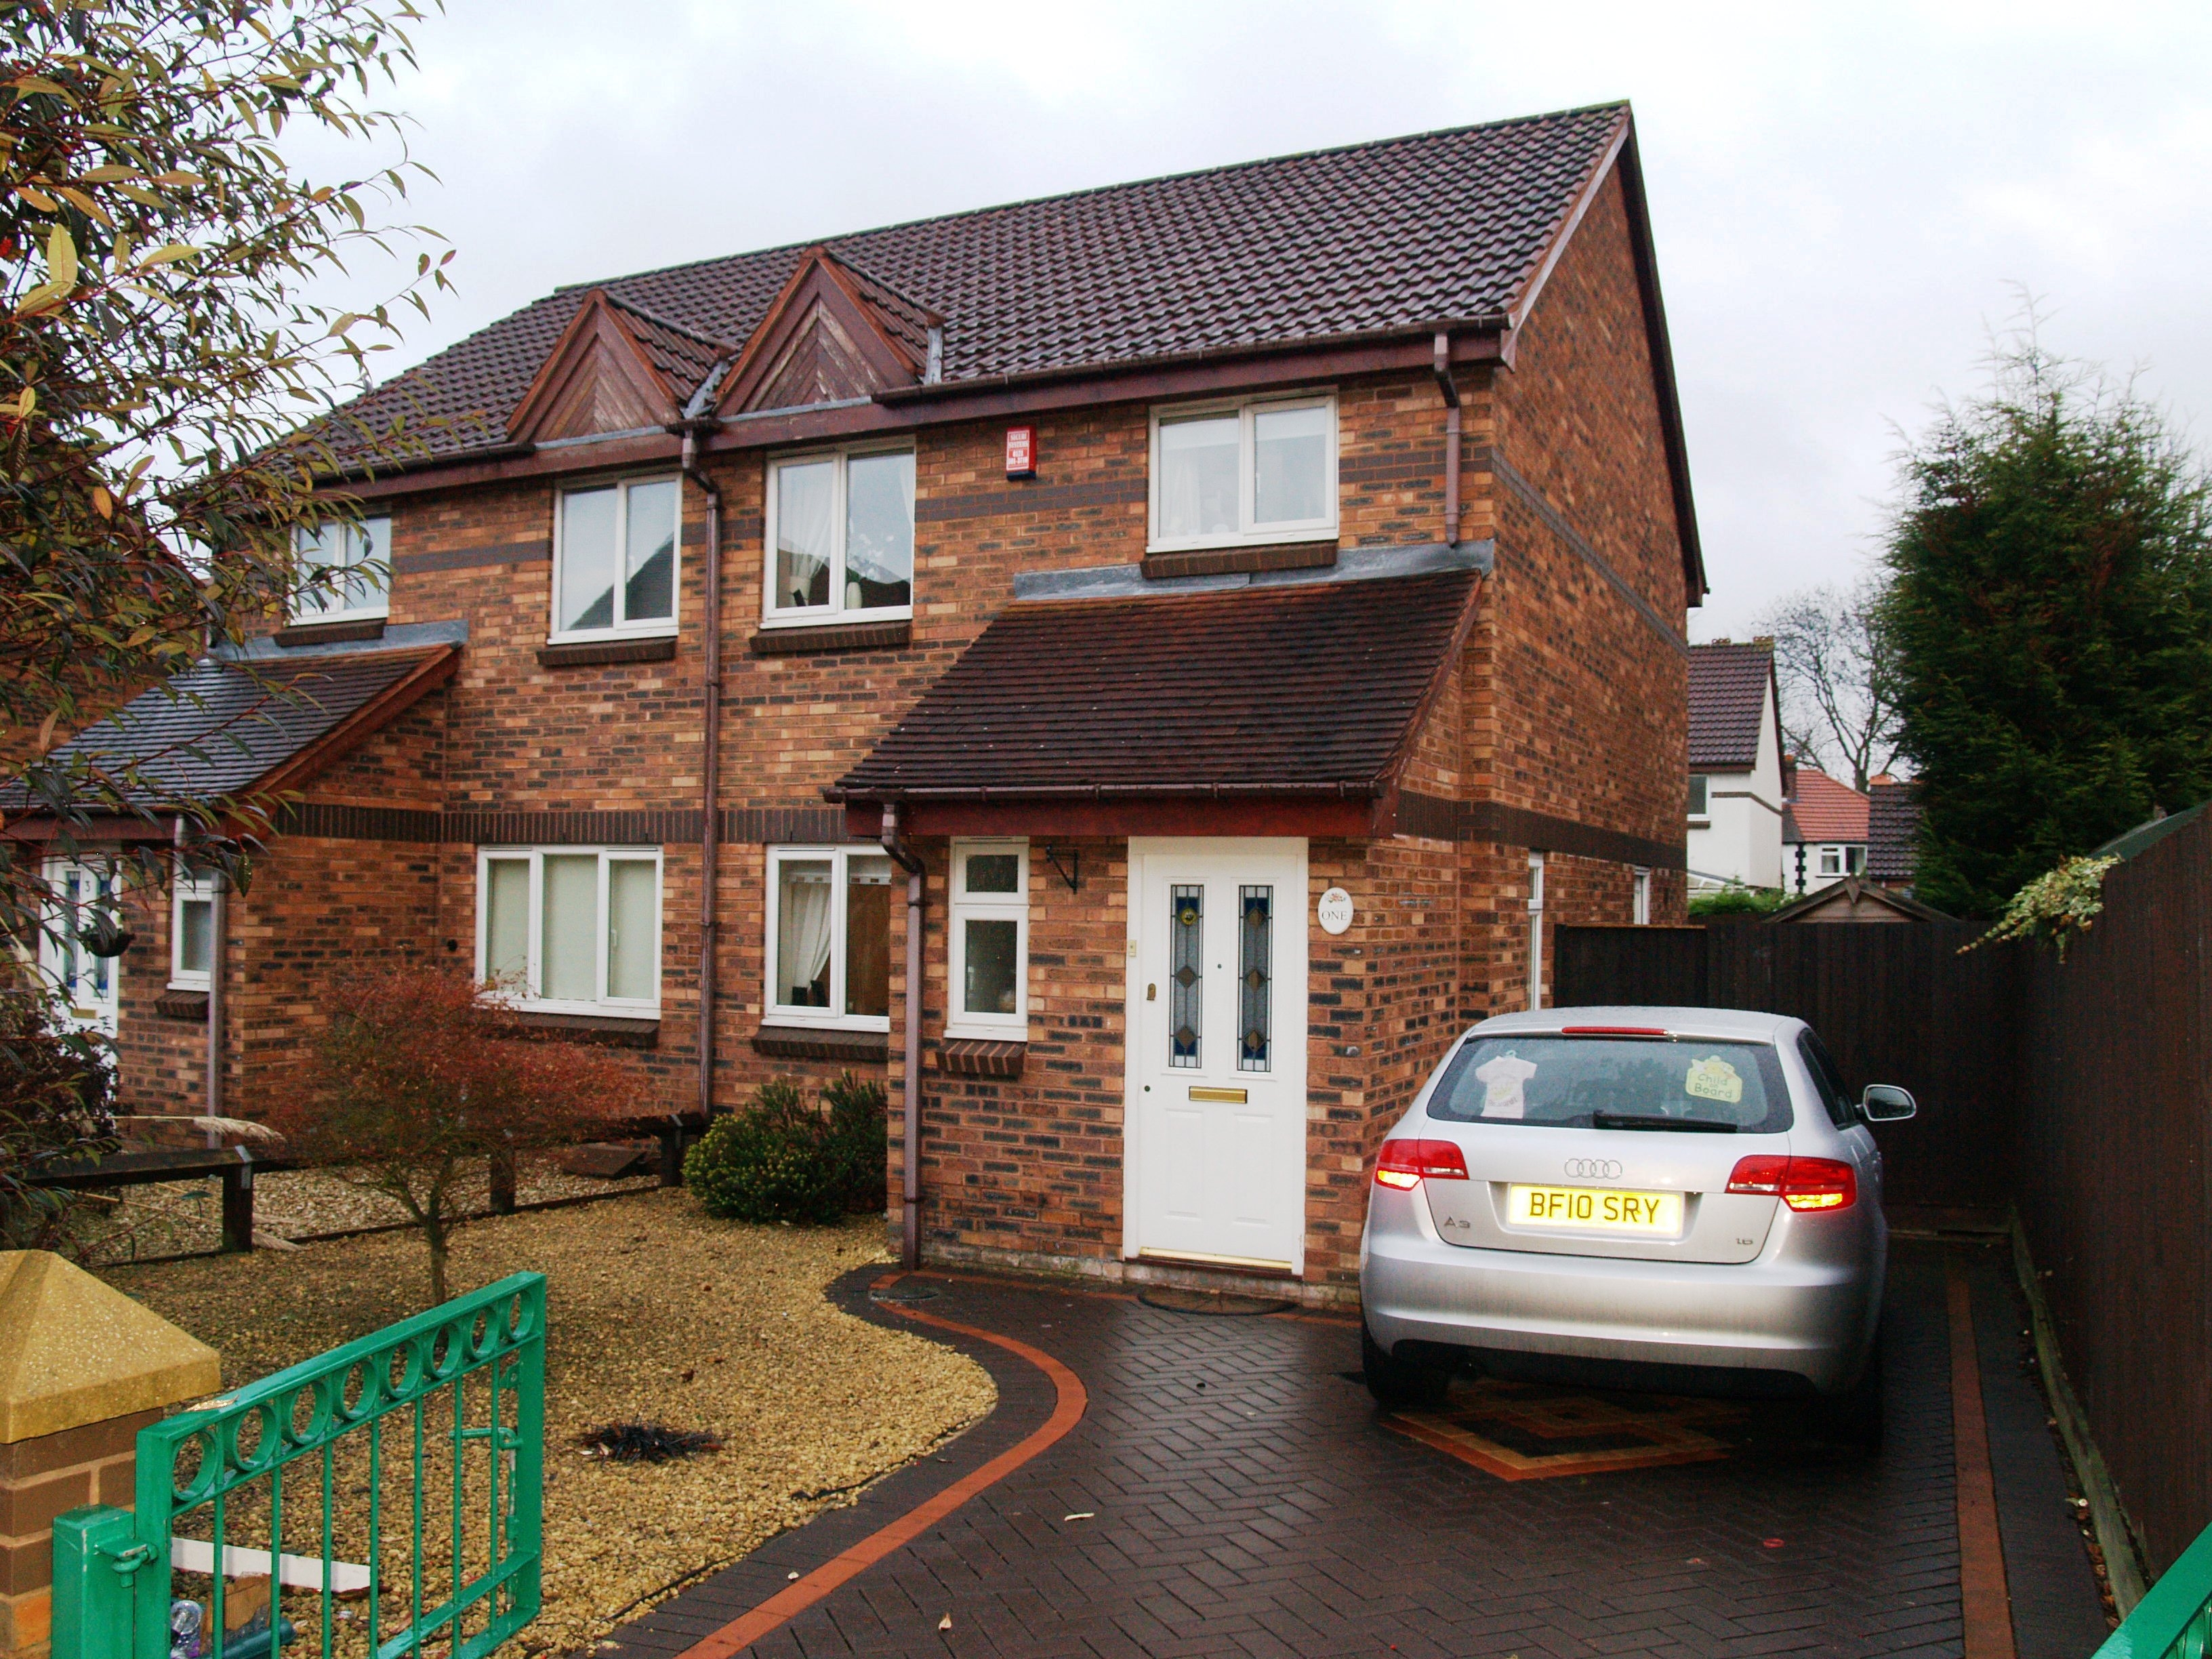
[(1243, 1497)]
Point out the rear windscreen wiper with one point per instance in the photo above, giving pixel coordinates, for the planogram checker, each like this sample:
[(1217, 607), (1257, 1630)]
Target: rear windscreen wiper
[(1687, 1125)]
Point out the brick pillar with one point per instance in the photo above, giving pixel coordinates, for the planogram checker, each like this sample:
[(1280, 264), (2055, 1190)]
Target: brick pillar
[(83, 1369)]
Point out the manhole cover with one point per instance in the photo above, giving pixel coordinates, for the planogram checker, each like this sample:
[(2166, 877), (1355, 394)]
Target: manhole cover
[(902, 1294), (1211, 1302)]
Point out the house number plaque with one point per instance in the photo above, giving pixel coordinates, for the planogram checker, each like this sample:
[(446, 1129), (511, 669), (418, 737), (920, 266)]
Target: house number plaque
[(1333, 912)]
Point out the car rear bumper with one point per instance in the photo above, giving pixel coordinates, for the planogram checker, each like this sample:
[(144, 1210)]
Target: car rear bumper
[(1789, 1319)]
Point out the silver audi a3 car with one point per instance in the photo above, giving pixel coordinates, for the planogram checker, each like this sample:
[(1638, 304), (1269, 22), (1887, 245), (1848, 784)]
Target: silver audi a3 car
[(1676, 1198)]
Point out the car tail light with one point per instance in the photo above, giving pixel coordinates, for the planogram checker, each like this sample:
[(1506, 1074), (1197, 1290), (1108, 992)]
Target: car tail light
[(1403, 1163), (1614, 1030), (1803, 1183)]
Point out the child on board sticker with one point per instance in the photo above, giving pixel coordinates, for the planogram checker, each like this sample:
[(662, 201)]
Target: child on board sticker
[(1713, 1078), (1502, 1081)]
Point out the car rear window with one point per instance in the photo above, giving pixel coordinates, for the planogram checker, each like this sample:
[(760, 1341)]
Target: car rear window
[(1615, 1083)]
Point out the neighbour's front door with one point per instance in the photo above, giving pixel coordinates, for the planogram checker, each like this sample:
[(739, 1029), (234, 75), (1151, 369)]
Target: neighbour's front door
[(1214, 1158), (83, 896)]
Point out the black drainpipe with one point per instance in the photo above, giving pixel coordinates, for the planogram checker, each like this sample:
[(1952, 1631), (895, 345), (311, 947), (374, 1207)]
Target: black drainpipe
[(710, 770), (910, 1157)]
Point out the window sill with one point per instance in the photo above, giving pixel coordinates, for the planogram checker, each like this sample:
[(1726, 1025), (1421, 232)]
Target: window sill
[(823, 1042), (330, 631), (1257, 538), (584, 653), (973, 1057), (822, 638), (607, 1030), (1236, 561), (182, 1005)]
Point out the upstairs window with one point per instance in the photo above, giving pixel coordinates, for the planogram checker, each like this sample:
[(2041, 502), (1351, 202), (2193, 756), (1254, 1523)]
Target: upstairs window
[(346, 570), (1253, 472), (572, 929), (839, 538), (614, 560), (1699, 795), (1846, 861)]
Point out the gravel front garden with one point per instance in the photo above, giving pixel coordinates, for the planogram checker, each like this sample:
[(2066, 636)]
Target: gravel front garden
[(658, 1314)]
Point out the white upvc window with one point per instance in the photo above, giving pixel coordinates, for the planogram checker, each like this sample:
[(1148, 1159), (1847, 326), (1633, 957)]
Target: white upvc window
[(615, 560), (1843, 861), (361, 555), (1231, 474), (571, 930), (1535, 930), (990, 940), (1700, 798), (839, 537), (1641, 911), (191, 934), (828, 951)]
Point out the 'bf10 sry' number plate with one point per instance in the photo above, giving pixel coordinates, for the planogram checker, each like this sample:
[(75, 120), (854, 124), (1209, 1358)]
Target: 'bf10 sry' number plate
[(1595, 1209)]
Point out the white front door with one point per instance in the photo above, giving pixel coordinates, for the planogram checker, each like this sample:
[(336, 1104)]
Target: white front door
[(88, 983), (1214, 1158)]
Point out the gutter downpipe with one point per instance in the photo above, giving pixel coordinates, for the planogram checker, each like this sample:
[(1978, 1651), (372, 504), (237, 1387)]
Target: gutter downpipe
[(1449, 387), (910, 1093), (710, 769)]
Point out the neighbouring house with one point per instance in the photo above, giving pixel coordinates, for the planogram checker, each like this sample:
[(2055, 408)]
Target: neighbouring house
[(1824, 830), (1253, 603), (1735, 767), (1893, 833)]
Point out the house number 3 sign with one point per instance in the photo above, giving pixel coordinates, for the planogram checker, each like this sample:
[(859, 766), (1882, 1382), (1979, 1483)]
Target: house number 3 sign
[(1333, 912)]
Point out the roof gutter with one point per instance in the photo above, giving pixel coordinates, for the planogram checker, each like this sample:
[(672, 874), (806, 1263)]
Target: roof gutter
[(895, 843)]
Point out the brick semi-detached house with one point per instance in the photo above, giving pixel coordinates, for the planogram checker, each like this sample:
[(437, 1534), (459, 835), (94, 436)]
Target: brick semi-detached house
[(1254, 602)]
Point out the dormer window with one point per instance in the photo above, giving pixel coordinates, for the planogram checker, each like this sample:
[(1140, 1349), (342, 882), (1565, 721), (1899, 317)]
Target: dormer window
[(354, 560), (839, 538), (1226, 474), (615, 560)]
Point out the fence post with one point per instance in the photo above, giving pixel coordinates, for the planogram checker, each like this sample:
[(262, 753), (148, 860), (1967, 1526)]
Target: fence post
[(92, 1589)]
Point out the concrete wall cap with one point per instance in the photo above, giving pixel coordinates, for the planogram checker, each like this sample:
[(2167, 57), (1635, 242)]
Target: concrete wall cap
[(74, 1350)]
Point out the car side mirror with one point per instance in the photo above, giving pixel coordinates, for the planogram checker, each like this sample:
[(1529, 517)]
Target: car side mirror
[(1885, 1103)]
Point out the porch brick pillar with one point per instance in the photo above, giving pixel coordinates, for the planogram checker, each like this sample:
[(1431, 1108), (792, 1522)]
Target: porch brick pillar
[(83, 1369)]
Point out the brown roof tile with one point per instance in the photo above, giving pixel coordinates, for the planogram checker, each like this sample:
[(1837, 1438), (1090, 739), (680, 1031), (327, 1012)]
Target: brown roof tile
[(1825, 809), (1893, 830), (1291, 689), (1399, 233), (1728, 695)]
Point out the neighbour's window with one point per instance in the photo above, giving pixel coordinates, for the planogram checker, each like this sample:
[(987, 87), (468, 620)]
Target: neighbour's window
[(829, 938), (1699, 804), (840, 537), (191, 934), (1641, 904), (571, 929), (1252, 472), (990, 940), (615, 560), (353, 563), (1603, 1082)]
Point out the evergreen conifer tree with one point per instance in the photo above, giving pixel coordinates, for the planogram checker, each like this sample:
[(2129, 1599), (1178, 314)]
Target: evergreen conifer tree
[(2051, 611)]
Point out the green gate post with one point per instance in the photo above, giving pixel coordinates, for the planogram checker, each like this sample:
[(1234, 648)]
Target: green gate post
[(95, 1558)]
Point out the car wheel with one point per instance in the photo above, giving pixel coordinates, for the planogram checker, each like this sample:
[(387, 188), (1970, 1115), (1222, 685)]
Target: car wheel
[(1854, 1417), (1401, 1380)]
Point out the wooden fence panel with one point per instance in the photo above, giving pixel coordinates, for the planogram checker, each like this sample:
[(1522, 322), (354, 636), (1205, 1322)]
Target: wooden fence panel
[(1894, 1002), (2116, 1153)]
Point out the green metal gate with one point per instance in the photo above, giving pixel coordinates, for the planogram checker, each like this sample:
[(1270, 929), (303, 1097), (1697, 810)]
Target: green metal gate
[(443, 1413)]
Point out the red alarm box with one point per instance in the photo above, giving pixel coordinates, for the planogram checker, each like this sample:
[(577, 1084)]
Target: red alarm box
[(1021, 452)]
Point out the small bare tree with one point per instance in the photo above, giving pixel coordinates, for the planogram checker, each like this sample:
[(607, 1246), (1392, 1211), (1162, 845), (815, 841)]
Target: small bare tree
[(424, 1073), (1837, 681)]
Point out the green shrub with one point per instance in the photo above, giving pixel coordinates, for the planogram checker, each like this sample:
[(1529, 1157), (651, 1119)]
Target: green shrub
[(1738, 902), (780, 1159)]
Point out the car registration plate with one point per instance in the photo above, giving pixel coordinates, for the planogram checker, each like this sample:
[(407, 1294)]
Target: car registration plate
[(1595, 1209)]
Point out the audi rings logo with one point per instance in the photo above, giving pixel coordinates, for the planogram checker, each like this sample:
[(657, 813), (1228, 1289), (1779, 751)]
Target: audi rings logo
[(1592, 1169)]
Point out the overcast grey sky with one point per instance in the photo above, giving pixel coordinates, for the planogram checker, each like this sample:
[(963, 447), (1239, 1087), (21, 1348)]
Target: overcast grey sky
[(1845, 199)]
